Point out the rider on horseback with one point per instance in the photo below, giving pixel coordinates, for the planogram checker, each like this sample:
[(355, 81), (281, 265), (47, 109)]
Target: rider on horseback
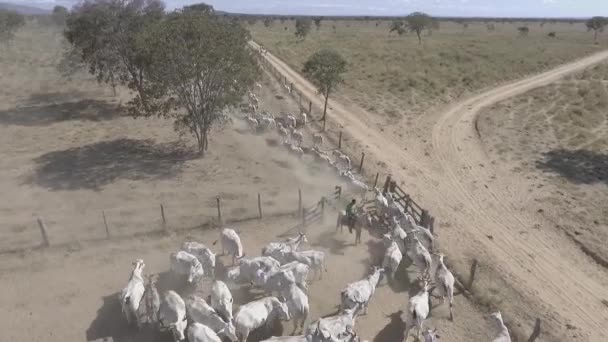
[(350, 214)]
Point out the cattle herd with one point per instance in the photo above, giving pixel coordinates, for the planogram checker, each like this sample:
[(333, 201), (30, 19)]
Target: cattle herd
[(282, 272)]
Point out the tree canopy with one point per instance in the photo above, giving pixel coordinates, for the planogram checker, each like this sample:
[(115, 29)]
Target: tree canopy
[(596, 24), (418, 22), (318, 22), (59, 15), (325, 69), (188, 65), (10, 22), (303, 26), (201, 8)]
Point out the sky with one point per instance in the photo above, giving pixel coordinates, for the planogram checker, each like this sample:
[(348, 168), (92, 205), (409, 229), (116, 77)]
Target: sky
[(484, 8)]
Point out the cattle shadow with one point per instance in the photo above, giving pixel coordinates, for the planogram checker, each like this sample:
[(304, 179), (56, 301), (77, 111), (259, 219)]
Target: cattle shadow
[(394, 330), (96, 165), (578, 166), (263, 333), (110, 322), (47, 114), (402, 281)]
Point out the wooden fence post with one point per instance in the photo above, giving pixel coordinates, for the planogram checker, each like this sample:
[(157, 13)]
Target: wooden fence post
[(105, 224), (310, 108), (424, 218), (340, 140), (162, 214), (386, 183), (376, 180), (339, 191), (291, 88), (43, 231), (304, 217), (536, 331), (285, 80), (260, 205), (219, 210), (472, 274), (322, 207), (361, 164), (300, 212)]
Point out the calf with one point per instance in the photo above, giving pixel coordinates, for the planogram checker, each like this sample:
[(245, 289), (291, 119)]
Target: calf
[(314, 259), (172, 315), (221, 299), (359, 293), (258, 313), (131, 295), (186, 264), (199, 311), (334, 328), (204, 255)]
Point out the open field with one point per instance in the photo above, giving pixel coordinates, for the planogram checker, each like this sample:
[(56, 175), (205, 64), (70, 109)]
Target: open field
[(395, 78), (556, 137), (69, 153)]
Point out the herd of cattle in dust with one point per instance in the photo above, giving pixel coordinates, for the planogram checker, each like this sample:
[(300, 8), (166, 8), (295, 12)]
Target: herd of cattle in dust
[(283, 272)]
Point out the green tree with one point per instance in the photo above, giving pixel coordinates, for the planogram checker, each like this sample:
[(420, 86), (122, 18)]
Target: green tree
[(252, 20), (104, 33), (325, 69), (268, 22), (201, 8), (318, 22), (59, 15), (397, 26), (199, 66), (417, 22), (10, 22), (596, 24), (303, 26), (523, 30)]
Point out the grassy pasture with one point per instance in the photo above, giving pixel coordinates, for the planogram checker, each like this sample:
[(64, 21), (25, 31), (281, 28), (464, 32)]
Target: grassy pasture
[(395, 76)]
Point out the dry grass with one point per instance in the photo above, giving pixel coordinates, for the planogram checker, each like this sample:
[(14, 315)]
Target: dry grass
[(557, 137), (394, 76)]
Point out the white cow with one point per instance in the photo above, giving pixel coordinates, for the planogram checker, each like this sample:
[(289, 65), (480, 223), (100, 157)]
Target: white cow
[(399, 235), (297, 137), (172, 315), (299, 307), (231, 243), (255, 314), (147, 312), (132, 294), (413, 227), (300, 272), (300, 338), (204, 255), (198, 332), (304, 119), (335, 328), (199, 311), (186, 264), (444, 280), (503, 334), (279, 250), (420, 256), (392, 256), (381, 203), (291, 121), (221, 299), (275, 281), (314, 259), (418, 309), (359, 293)]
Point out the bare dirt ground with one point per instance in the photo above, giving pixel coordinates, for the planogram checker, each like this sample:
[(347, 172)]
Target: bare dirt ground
[(532, 269), (69, 153), (556, 138)]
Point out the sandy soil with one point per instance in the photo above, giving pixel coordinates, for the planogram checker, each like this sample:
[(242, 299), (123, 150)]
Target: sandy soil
[(444, 165)]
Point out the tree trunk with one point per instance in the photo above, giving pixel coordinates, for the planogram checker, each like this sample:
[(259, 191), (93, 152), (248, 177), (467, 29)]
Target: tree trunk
[(419, 38), (325, 109)]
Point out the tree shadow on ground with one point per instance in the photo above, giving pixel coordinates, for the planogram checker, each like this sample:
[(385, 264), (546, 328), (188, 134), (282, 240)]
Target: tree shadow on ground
[(111, 323), (579, 166), (394, 330), (47, 114), (96, 165)]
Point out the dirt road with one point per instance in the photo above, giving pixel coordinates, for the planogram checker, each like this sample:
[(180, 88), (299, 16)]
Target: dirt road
[(541, 264)]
